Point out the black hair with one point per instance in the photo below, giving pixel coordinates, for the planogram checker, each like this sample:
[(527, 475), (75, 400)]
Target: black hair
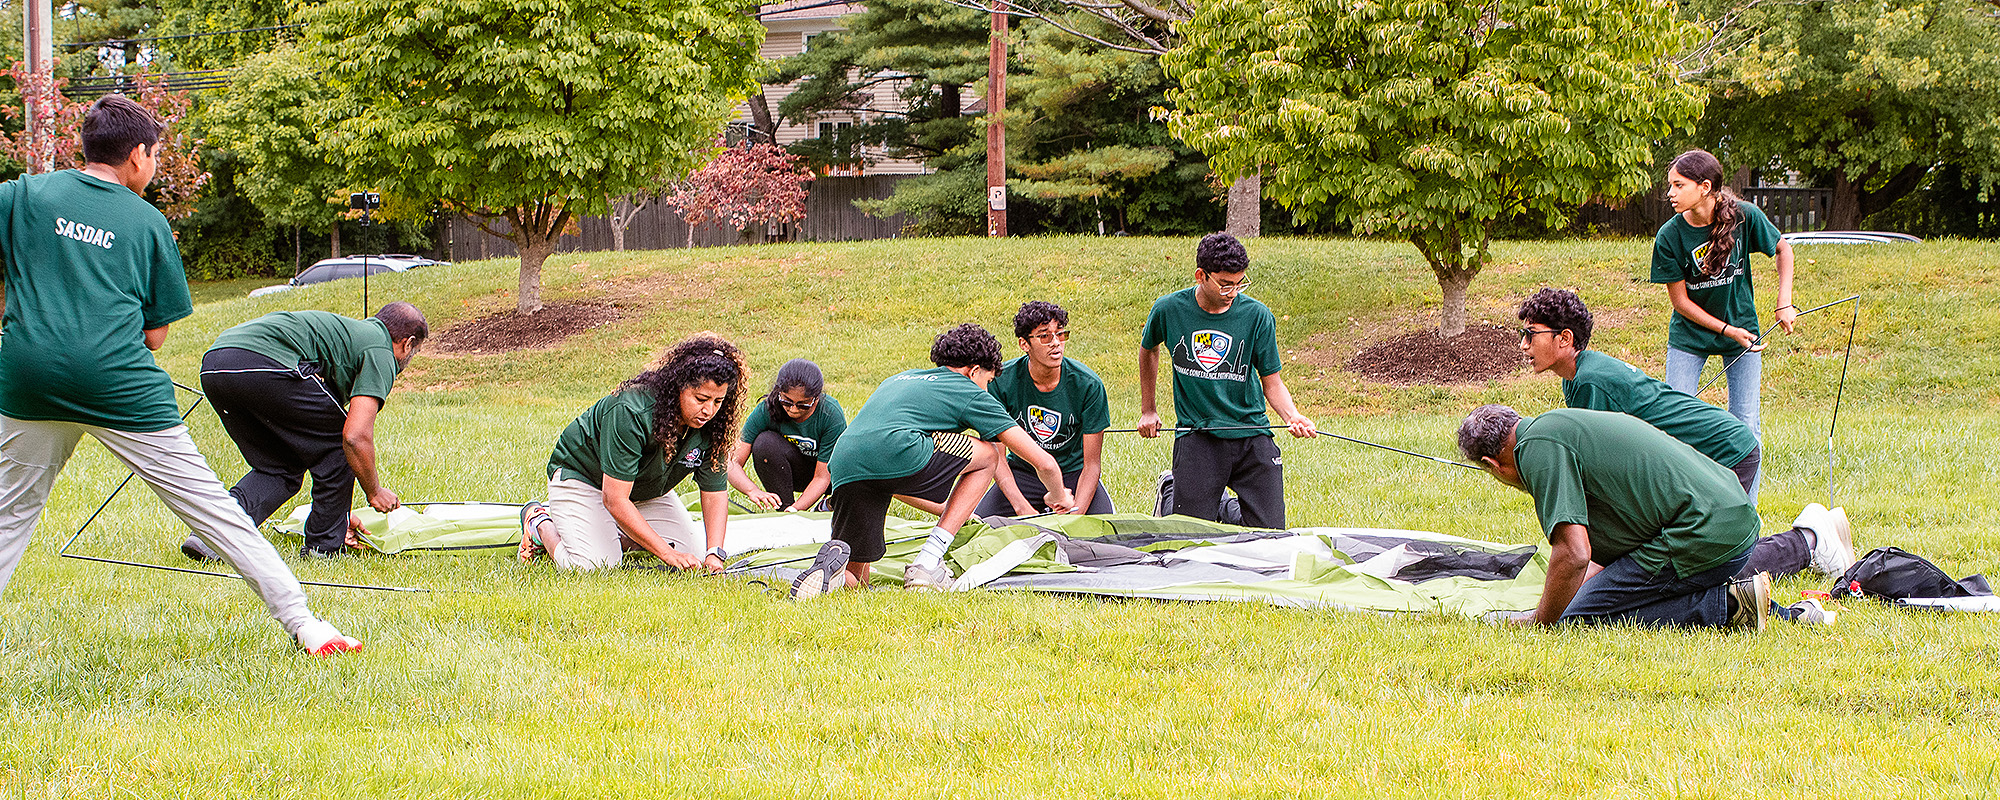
[(1702, 166), (702, 358), (1220, 252), (967, 345), (113, 126), (797, 373), (404, 321), (1485, 431), (1561, 310), (1035, 314)]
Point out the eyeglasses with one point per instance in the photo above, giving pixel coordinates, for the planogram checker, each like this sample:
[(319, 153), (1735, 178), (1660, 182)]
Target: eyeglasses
[(1050, 338), (1231, 287), (802, 405), (1529, 333)]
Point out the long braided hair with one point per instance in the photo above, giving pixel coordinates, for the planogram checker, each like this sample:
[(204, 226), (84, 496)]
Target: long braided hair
[(702, 358), (1702, 166)]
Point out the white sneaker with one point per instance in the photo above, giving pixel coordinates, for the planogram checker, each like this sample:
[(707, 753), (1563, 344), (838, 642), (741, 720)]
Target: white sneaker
[(1833, 540), (1810, 612), (927, 579), (320, 638)]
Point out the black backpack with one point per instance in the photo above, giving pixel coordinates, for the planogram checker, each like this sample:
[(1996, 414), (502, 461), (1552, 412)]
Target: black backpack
[(1889, 573)]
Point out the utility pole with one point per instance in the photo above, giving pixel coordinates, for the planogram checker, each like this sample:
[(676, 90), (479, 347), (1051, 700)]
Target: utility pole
[(996, 127), (37, 44)]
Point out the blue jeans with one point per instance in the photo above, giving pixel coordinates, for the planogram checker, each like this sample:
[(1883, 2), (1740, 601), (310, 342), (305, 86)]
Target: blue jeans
[(1744, 375), (1626, 592)]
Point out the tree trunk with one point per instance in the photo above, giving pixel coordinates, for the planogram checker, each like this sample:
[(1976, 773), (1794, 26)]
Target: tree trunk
[(1245, 215), (1451, 318), (948, 101), (1843, 213), (760, 116), (336, 240), (617, 238), (535, 250)]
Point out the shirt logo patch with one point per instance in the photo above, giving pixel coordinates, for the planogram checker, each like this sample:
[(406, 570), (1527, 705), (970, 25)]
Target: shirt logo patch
[(693, 459), (1043, 423), (806, 444), (1211, 348)]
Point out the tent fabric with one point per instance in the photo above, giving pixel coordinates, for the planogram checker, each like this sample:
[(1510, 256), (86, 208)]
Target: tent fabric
[(454, 527)]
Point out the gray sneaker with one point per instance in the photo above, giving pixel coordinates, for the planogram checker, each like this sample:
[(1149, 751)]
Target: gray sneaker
[(1810, 612), (1163, 494), (1753, 598), (198, 550), (825, 573), (927, 579)]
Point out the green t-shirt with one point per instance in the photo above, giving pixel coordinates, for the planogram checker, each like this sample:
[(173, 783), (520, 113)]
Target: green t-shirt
[(814, 437), (1677, 252), (353, 356), (891, 434), (1218, 360), (1059, 419), (1604, 383), (90, 267), (1640, 492), (615, 438)]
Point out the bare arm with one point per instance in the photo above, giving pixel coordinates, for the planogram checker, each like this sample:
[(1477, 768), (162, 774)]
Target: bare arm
[(156, 337), (1003, 477), (1677, 292), (1280, 399), (357, 437), (1093, 471), (1786, 311), (1149, 374), (740, 479), (815, 488), (1058, 499), (618, 501), (1568, 565), (715, 525)]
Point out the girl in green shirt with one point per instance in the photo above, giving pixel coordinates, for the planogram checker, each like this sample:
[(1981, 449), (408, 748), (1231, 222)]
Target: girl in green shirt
[(613, 472), (791, 433)]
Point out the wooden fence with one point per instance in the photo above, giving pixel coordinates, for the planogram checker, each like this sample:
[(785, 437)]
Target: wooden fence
[(830, 216), (1789, 209)]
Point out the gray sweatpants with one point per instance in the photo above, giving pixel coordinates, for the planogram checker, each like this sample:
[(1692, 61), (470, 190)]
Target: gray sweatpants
[(33, 452)]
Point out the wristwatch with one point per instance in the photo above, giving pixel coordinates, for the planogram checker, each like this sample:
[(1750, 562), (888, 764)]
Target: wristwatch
[(719, 553)]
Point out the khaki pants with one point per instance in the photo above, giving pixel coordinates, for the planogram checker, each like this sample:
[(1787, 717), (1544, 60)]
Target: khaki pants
[(33, 452), (590, 537)]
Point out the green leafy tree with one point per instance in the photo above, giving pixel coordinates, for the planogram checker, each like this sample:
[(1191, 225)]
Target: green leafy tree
[(1432, 120), (271, 120), (1866, 97), (526, 114)]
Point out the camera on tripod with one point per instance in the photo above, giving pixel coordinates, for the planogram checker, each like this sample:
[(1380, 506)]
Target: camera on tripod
[(364, 201)]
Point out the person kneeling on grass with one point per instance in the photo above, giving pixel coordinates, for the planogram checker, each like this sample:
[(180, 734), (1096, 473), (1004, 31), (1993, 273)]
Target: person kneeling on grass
[(905, 441), (1643, 529), (615, 468), (1061, 403), (791, 434)]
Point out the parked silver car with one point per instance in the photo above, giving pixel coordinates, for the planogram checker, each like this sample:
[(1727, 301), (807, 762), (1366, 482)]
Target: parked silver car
[(333, 269)]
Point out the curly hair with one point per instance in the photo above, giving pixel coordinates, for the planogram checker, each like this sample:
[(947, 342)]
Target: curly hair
[(702, 358), (1702, 166), (1485, 431), (967, 345), (797, 373), (1220, 252), (1561, 310), (1035, 314)]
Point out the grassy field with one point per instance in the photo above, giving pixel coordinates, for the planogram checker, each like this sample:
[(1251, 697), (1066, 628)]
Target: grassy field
[(523, 682)]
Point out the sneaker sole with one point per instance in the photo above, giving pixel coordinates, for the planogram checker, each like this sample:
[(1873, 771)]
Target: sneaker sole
[(819, 576), (191, 549), (336, 646)]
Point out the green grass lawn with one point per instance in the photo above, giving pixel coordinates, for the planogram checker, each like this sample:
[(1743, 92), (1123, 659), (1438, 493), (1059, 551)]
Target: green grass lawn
[(523, 682)]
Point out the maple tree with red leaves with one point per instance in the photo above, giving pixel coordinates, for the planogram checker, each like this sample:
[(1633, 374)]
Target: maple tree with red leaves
[(743, 186), (180, 179)]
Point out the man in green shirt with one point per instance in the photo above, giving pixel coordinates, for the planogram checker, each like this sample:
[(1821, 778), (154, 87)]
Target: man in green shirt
[(1062, 404), (298, 392), (1223, 348), (906, 440), (1643, 529), (93, 280), (1556, 339)]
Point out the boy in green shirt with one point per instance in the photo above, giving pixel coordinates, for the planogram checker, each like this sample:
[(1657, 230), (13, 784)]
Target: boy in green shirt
[(93, 280), (1061, 403), (906, 440), (298, 392), (1223, 348)]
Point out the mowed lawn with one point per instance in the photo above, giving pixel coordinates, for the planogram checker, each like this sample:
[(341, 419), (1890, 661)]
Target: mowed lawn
[(522, 682)]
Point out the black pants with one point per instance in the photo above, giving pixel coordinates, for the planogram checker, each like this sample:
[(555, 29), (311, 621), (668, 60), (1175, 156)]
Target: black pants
[(1781, 554), (861, 508), (995, 502), (1205, 464), (1746, 471), (781, 468), (286, 424)]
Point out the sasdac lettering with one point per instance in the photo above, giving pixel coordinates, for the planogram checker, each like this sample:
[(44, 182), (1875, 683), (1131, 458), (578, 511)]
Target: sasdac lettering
[(84, 233)]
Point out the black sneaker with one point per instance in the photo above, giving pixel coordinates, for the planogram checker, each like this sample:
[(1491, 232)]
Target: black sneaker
[(321, 555), (198, 550), (1163, 494), (825, 573)]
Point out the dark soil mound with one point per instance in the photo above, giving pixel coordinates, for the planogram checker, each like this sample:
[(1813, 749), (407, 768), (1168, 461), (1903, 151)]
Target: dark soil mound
[(1482, 353), (500, 333)]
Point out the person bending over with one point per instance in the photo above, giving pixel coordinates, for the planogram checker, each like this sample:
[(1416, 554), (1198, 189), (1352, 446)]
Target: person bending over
[(1223, 348), (791, 434), (613, 472), (1643, 529), (1059, 402), (906, 440), (298, 392), (93, 280)]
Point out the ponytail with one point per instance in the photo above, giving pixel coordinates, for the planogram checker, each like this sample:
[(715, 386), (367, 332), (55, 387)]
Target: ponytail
[(1722, 233)]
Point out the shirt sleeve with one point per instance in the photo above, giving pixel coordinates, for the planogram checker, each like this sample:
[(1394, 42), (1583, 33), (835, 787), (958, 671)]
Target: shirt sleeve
[(755, 422), (1666, 256), (1265, 358), (167, 298), (1095, 414), (1155, 331), (1549, 470), (376, 376), (1758, 234), (1579, 394), (622, 439), (829, 437), (986, 416), (712, 475)]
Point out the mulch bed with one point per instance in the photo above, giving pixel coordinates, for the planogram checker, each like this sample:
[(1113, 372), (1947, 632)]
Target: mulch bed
[(1482, 353), (507, 331)]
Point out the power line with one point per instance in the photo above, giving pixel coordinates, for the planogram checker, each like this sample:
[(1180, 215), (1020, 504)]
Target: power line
[(109, 42)]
